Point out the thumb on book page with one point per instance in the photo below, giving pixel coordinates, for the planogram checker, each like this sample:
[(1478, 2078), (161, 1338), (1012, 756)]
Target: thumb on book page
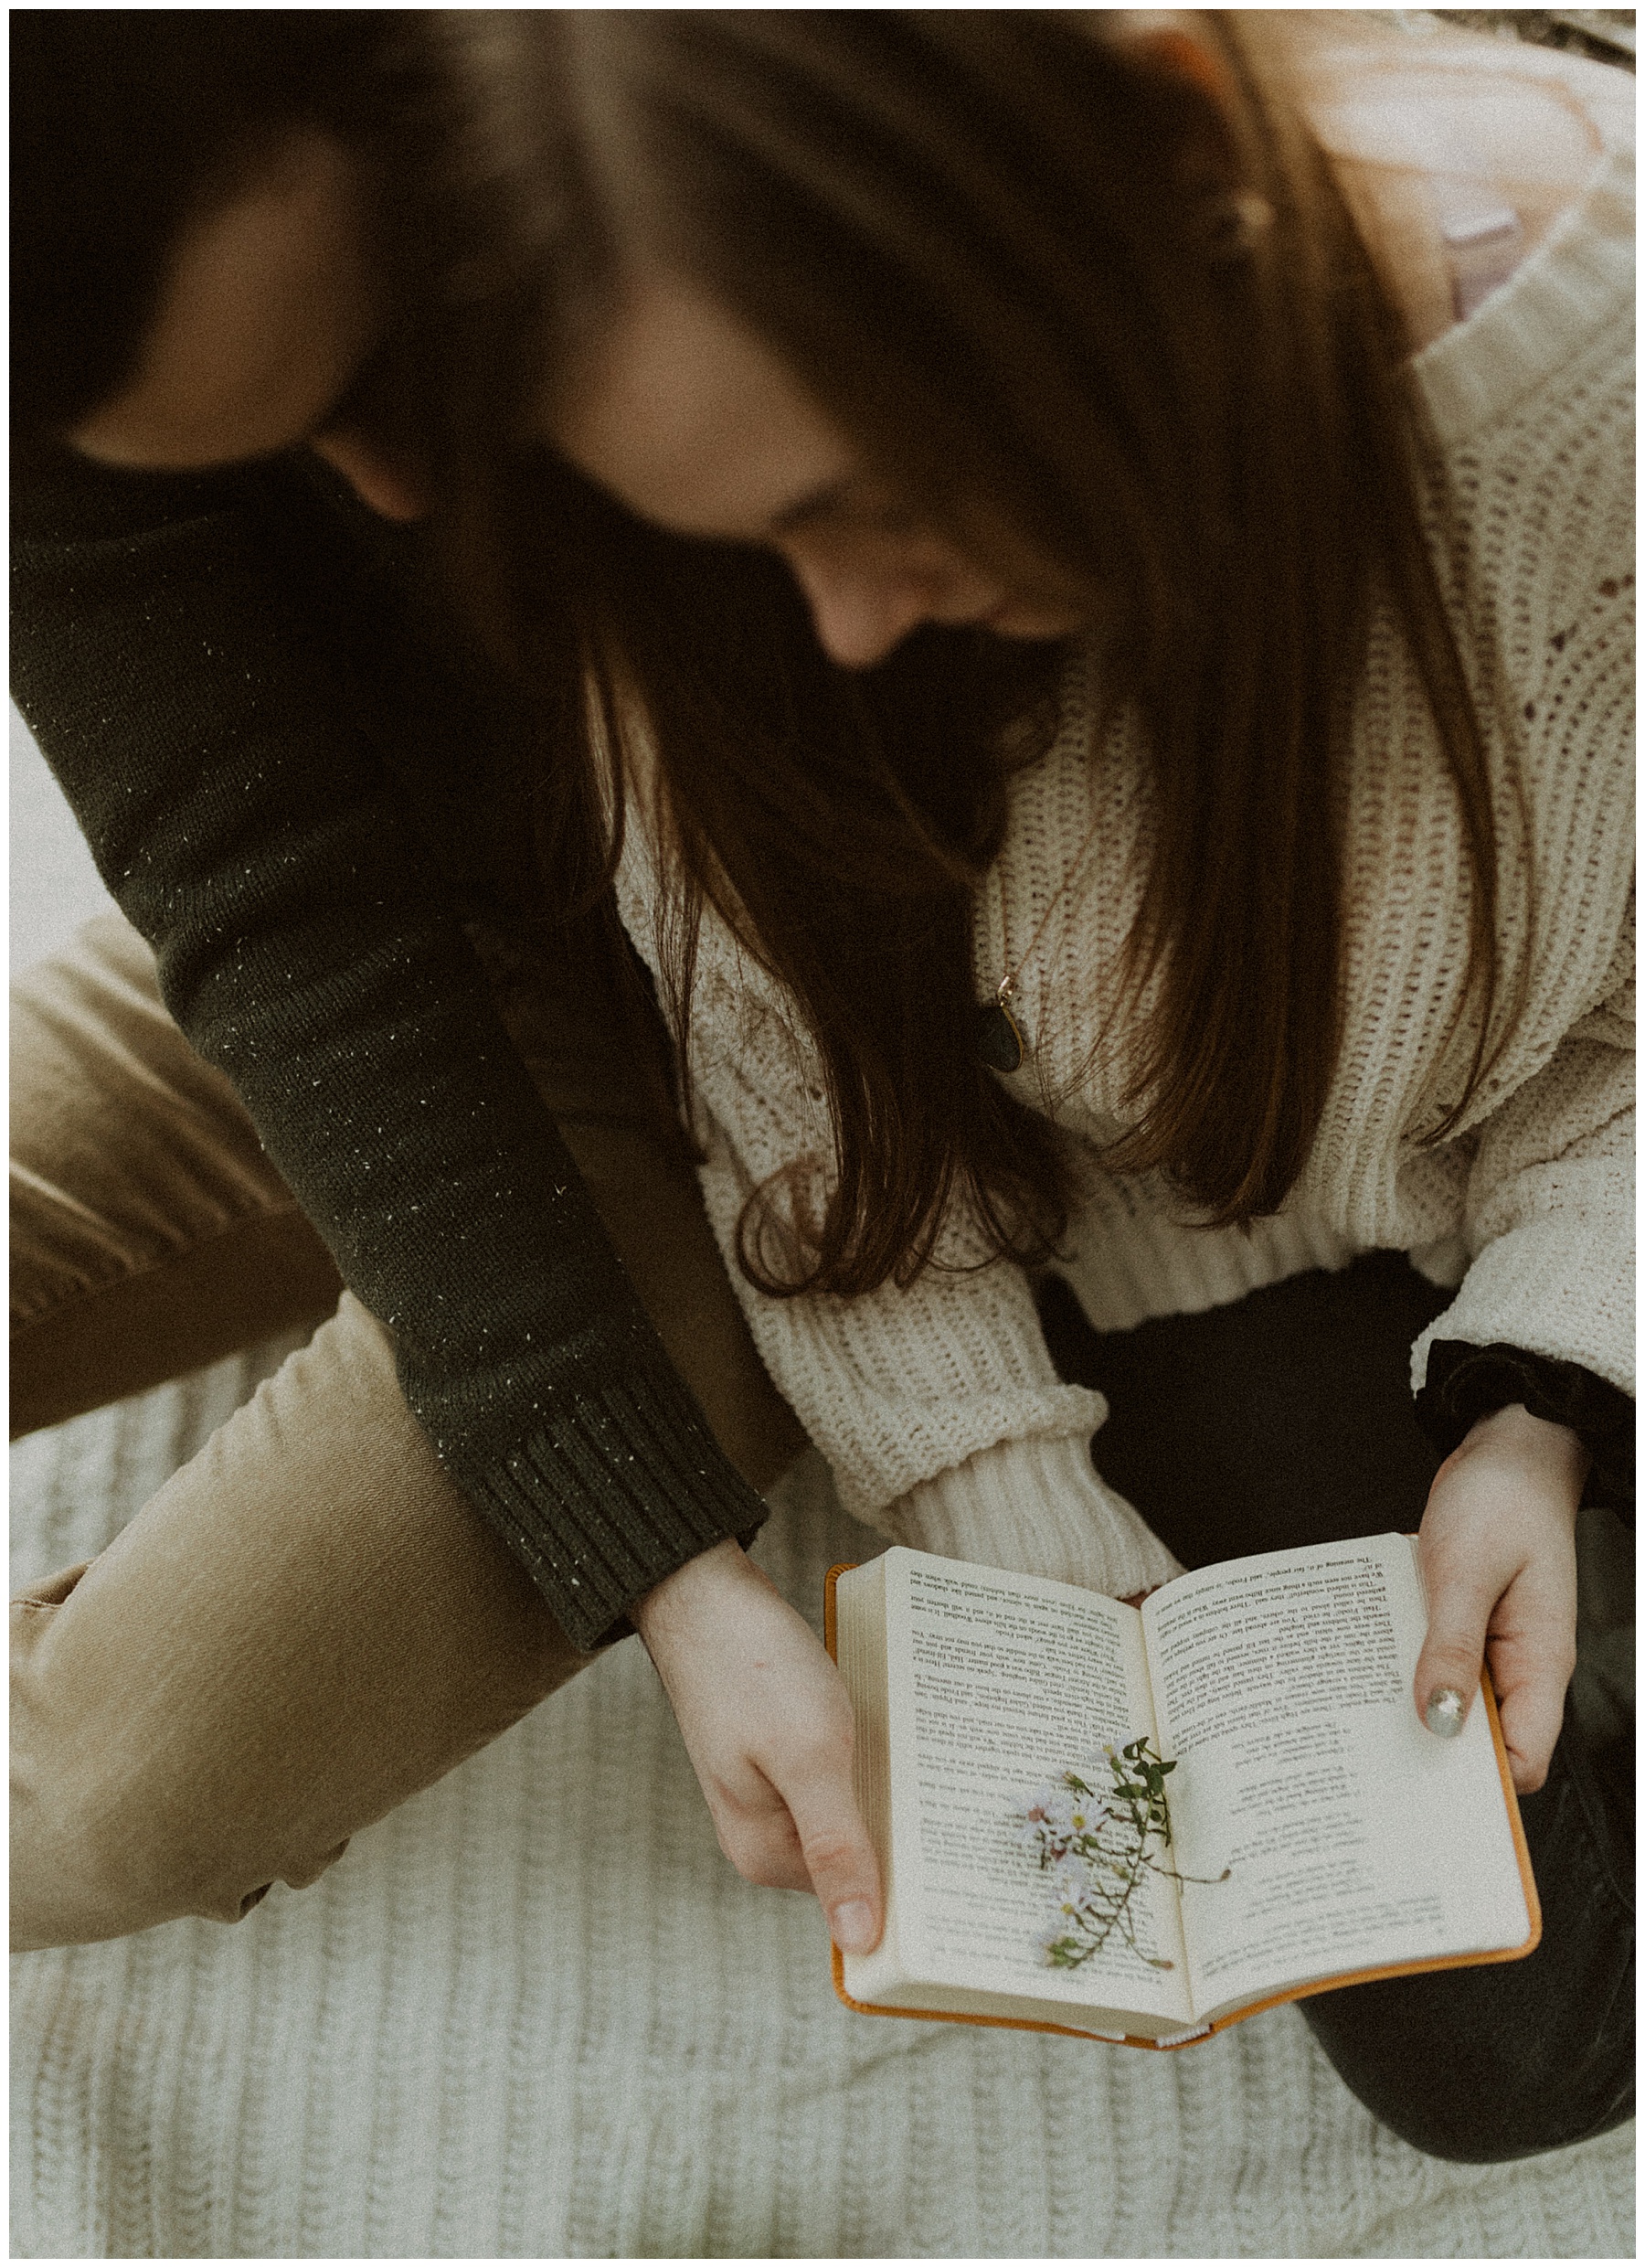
[(839, 1859)]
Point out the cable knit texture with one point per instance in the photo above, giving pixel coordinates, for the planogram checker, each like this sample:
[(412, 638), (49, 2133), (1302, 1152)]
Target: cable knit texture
[(534, 2015), (1044, 1499), (937, 1406)]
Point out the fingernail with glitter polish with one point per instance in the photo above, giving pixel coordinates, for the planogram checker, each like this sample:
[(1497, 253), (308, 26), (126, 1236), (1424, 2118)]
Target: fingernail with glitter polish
[(1443, 1714)]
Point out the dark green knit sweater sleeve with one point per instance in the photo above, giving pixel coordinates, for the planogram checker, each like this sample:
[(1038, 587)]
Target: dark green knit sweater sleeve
[(168, 660)]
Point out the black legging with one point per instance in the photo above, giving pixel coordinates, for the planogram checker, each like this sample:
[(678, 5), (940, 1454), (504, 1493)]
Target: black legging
[(1285, 1418)]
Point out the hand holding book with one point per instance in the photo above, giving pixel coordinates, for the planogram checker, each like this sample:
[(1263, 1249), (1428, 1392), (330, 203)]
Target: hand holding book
[(767, 1724), (765, 1720), (1499, 1564), (1317, 1834)]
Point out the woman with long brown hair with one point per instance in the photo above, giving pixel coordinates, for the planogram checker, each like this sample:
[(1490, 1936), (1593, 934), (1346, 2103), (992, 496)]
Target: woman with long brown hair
[(1075, 570), (1106, 715)]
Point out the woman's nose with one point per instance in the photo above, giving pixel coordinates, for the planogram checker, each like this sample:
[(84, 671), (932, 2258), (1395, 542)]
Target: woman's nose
[(860, 618)]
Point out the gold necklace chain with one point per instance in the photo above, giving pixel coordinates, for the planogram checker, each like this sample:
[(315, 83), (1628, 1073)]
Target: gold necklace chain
[(1002, 1040)]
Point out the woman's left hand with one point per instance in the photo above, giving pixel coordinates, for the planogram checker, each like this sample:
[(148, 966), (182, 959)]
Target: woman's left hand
[(1498, 1558)]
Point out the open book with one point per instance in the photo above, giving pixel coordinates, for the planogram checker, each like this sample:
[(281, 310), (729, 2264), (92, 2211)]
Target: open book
[(1311, 1832)]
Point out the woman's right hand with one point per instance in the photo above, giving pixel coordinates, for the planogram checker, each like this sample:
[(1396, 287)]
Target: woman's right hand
[(1498, 1562), (766, 1725)]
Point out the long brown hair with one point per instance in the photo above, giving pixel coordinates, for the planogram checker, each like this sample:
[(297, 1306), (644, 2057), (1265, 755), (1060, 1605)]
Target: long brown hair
[(1096, 308)]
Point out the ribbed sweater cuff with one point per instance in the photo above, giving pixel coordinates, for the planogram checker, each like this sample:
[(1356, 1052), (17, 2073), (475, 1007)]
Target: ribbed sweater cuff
[(1037, 1507), (614, 1492), (1465, 1383)]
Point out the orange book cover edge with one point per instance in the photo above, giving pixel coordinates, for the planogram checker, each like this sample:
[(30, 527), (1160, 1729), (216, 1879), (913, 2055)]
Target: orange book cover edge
[(1254, 2007)]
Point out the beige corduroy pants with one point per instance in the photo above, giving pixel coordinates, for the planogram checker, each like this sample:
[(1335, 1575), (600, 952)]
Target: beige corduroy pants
[(307, 1624)]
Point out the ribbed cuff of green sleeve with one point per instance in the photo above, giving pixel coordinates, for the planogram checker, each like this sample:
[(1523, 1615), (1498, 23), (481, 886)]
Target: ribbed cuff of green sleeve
[(615, 1491)]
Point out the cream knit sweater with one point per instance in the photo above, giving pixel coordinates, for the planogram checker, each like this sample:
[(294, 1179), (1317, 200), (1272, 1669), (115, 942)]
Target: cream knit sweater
[(937, 1407)]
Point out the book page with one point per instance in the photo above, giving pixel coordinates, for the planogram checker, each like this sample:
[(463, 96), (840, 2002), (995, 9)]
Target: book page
[(997, 1684), (1356, 1838)]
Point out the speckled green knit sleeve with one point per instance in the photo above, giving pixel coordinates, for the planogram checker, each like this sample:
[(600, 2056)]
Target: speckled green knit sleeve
[(166, 656)]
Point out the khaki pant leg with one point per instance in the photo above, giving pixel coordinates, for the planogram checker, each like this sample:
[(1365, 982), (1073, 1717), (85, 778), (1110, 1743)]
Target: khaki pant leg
[(304, 1628), (308, 1623), (150, 1235)]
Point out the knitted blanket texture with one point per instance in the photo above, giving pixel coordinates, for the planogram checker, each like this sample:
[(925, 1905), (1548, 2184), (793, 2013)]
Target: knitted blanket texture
[(535, 2014)]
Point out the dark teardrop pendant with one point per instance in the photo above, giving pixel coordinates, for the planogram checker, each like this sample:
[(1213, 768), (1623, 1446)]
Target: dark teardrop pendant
[(999, 1040)]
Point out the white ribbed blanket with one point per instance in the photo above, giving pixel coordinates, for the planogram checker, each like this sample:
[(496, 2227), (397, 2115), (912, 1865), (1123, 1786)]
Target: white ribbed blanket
[(535, 2014)]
